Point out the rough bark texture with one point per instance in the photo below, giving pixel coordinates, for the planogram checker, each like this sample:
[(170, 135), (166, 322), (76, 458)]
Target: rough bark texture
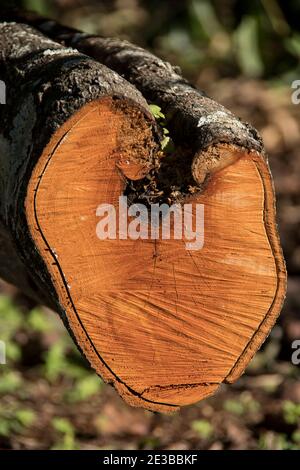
[(46, 84), (194, 119)]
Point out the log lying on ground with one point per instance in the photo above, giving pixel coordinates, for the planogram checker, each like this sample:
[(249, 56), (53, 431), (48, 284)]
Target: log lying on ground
[(164, 324)]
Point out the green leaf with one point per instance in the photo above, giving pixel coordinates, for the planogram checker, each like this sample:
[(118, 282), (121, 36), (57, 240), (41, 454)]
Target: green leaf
[(9, 382), (247, 47), (13, 351), (234, 407), (55, 362), (65, 427), (38, 321), (62, 425), (11, 317), (156, 111), (25, 416), (4, 427), (203, 12), (85, 388), (296, 436), (292, 44), (43, 7), (203, 428), (291, 412), (164, 143)]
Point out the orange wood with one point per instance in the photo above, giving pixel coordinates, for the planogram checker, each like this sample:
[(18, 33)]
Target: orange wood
[(165, 325)]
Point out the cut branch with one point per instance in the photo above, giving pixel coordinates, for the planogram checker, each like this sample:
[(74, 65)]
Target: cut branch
[(164, 324)]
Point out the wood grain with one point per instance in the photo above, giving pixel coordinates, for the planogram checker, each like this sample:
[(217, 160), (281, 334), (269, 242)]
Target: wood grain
[(165, 325)]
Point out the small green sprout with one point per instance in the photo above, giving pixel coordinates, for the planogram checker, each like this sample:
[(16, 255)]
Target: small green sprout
[(161, 119)]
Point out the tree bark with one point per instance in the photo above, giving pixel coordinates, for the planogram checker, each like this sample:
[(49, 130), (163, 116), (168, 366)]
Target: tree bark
[(164, 324), (194, 120)]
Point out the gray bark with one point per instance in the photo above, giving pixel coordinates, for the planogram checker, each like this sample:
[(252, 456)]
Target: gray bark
[(195, 120)]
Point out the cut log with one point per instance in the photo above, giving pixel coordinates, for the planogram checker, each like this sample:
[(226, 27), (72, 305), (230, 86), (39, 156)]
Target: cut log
[(164, 324)]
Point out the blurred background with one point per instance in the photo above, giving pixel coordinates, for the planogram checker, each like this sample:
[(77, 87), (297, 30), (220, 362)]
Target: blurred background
[(244, 54)]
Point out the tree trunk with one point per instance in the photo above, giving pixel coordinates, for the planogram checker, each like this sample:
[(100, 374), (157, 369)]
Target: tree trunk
[(165, 324)]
